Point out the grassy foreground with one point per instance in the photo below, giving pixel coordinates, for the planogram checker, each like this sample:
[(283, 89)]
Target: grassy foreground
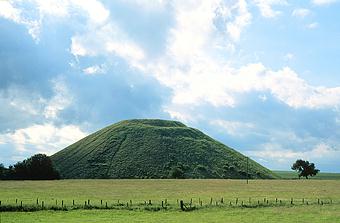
[(157, 190)]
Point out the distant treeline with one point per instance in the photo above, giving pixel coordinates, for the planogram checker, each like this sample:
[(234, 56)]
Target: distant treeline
[(37, 167)]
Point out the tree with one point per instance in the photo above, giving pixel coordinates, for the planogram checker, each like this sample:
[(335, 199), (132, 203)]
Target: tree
[(304, 168), (37, 167), (2, 170), (177, 172)]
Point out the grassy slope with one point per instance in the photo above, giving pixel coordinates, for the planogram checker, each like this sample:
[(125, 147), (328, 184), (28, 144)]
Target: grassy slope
[(152, 149), (319, 176), (139, 190)]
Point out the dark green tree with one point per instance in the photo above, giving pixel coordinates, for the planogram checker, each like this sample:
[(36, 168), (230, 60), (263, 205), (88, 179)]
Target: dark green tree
[(304, 168), (2, 170), (177, 172), (37, 167)]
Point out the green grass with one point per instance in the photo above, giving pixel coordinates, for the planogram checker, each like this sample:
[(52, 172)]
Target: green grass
[(150, 148), (319, 176), (157, 190), (281, 214)]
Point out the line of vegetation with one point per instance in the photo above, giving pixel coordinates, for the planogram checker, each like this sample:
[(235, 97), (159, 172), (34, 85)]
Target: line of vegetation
[(163, 205)]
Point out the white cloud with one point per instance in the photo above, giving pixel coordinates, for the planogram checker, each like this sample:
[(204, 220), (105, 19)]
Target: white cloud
[(266, 7), (323, 2), (243, 19), (61, 99), (155, 5), (289, 56), (8, 11), (45, 138), (108, 39), (96, 11), (36, 10), (301, 12), (93, 70), (234, 128), (275, 152), (313, 25)]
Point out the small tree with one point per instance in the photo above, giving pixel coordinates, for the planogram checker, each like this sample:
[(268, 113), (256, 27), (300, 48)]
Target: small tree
[(2, 170), (304, 168)]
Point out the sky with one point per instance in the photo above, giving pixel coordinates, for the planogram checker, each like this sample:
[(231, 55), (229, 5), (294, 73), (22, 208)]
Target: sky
[(261, 76)]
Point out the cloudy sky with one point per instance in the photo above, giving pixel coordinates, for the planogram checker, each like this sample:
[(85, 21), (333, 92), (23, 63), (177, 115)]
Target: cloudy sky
[(262, 76)]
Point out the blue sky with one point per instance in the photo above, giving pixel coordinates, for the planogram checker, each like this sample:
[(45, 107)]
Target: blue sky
[(261, 76)]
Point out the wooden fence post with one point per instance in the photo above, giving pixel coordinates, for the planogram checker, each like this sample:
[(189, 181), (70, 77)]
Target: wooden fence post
[(182, 205)]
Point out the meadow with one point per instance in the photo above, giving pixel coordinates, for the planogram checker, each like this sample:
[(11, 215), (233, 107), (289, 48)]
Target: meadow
[(262, 192)]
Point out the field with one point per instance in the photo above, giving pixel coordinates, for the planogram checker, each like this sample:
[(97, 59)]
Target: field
[(319, 176), (140, 191)]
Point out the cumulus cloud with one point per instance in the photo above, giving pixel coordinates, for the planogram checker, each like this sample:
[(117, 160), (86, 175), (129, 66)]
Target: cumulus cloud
[(93, 70), (272, 152), (266, 7), (234, 128), (313, 25), (46, 138), (108, 39), (301, 12), (61, 99), (243, 19), (10, 12), (323, 2)]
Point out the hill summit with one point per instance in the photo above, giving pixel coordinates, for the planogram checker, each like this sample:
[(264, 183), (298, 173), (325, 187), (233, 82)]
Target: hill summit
[(152, 148)]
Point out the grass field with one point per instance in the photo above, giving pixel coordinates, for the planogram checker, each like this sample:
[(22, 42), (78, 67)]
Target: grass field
[(319, 176), (157, 190)]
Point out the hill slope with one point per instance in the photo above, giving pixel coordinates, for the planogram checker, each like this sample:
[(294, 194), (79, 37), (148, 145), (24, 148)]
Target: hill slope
[(153, 149)]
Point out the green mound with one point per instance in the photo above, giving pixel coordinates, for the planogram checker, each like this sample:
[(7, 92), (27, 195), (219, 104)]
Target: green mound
[(153, 149)]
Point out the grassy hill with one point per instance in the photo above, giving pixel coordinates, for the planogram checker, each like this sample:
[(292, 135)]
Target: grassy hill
[(153, 149)]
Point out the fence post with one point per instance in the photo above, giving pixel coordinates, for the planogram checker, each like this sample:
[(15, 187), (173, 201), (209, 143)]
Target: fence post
[(211, 200), (42, 204), (182, 205), (162, 204), (101, 202), (73, 202), (37, 201)]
